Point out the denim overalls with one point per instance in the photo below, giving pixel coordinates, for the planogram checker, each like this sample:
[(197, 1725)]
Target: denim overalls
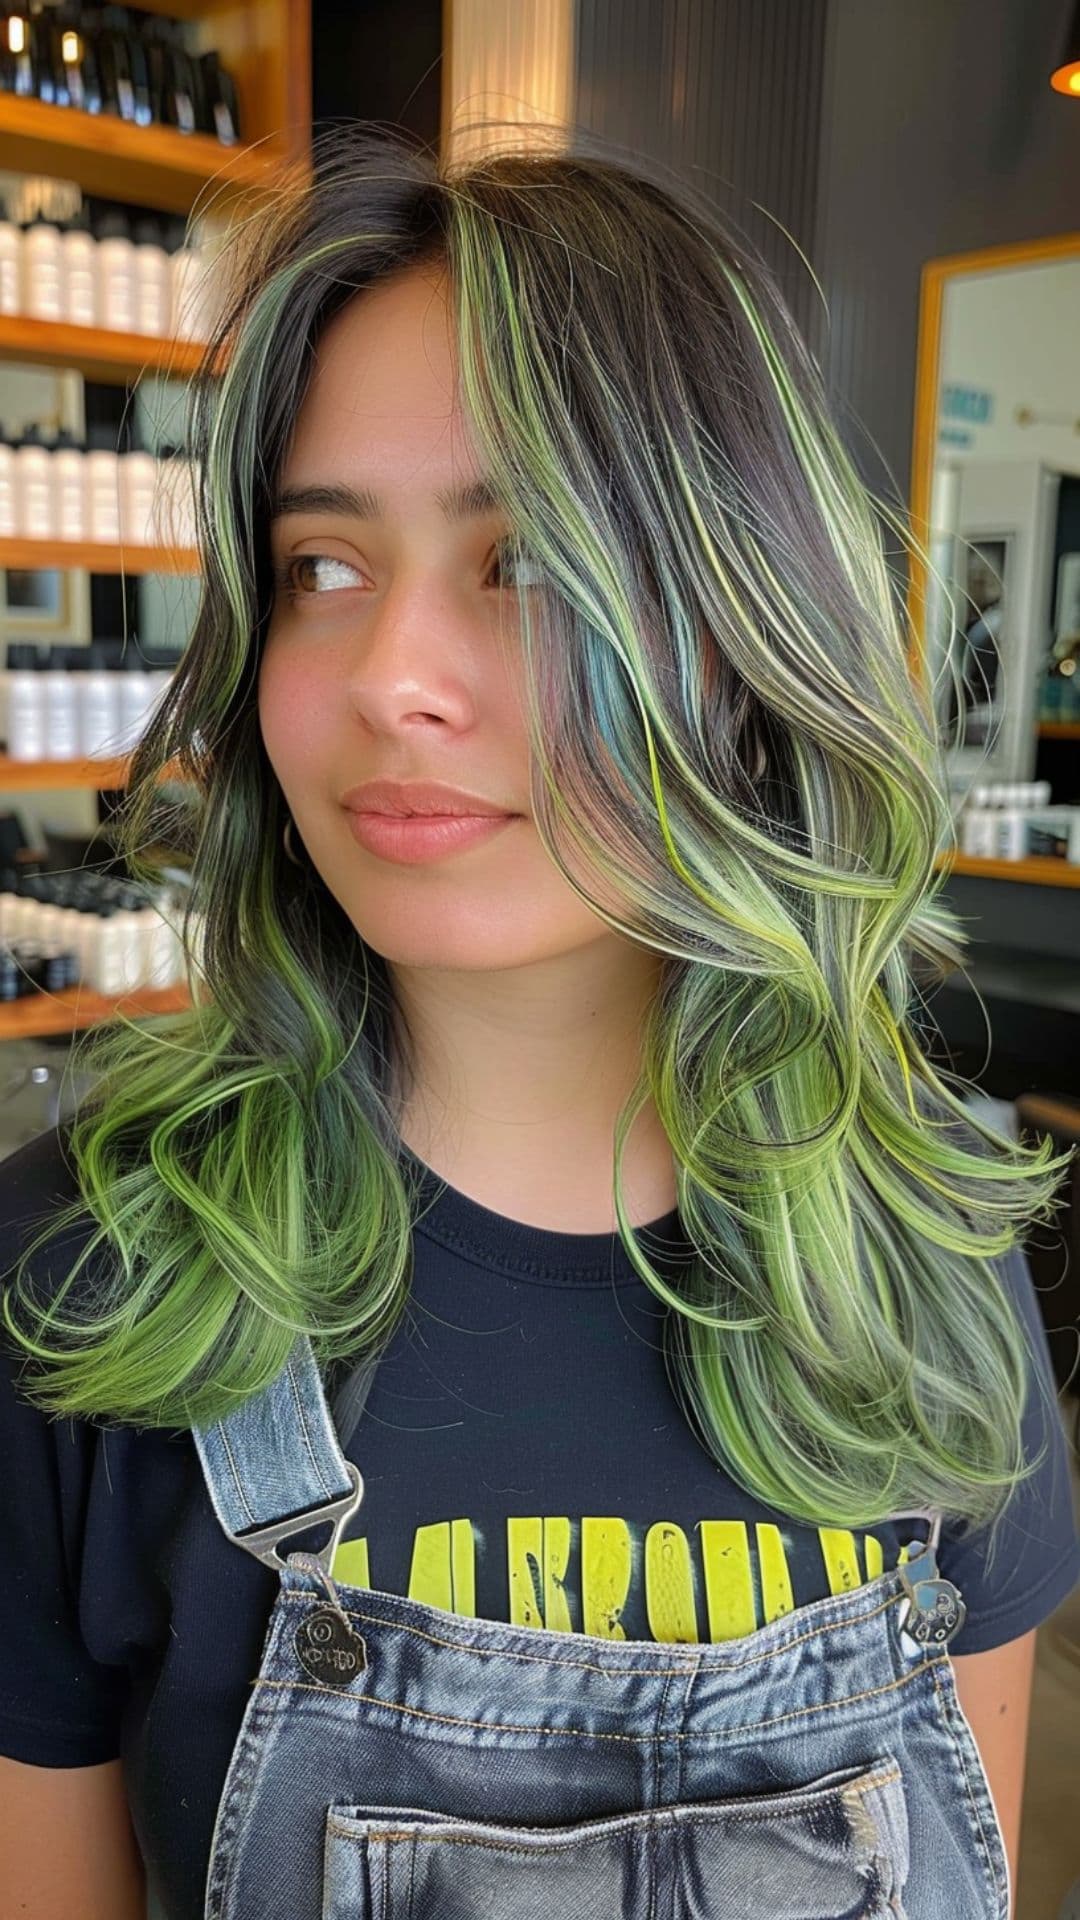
[(400, 1762)]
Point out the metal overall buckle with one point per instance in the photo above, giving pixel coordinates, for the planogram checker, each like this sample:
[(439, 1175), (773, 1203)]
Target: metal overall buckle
[(327, 1644), (932, 1611), (263, 1541)]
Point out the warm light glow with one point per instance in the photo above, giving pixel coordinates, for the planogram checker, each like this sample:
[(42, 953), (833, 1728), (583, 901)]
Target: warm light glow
[(1067, 79), (16, 29), (70, 49)]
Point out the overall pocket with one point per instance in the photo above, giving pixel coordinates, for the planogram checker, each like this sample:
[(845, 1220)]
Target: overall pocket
[(833, 1849)]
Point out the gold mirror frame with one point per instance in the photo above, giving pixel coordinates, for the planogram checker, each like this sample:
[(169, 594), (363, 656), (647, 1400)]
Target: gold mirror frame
[(935, 277)]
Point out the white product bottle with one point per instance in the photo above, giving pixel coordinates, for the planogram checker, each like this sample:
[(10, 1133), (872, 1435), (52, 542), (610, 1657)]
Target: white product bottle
[(174, 512), (134, 699), (153, 280), (87, 943), (8, 904), (71, 935), (50, 921), (132, 941), (972, 822), (160, 946), (11, 266), (80, 271), (61, 710), (68, 469), (116, 272), (186, 294), (191, 928), (7, 487), (161, 669), (106, 968), (138, 486), (26, 703), (99, 718), (102, 483), (151, 952), (43, 269), (34, 515), (23, 917)]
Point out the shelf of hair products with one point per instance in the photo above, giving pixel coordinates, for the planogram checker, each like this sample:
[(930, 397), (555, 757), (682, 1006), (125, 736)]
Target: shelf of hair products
[(86, 285)]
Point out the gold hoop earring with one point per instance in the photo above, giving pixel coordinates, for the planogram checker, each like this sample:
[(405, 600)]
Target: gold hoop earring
[(289, 854)]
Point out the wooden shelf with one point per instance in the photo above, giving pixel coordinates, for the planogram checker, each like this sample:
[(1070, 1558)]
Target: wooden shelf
[(1033, 872), (108, 775), (266, 46), (98, 557), (148, 166), (99, 353), (78, 1007), (1059, 730)]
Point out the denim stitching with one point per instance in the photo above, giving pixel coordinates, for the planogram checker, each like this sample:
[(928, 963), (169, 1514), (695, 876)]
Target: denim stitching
[(958, 1749), (588, 1666), (590, 1733), (658, 1758), (301, 1417), (744, 1817), (224, 1438)]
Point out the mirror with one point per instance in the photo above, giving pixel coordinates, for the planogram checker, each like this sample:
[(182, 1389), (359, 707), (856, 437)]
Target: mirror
[(996, 499)]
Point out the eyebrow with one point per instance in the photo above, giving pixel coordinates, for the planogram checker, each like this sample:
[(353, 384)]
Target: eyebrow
[(457, 503)]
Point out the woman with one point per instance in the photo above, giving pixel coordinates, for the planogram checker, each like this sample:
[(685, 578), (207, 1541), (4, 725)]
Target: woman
[(565, 836)]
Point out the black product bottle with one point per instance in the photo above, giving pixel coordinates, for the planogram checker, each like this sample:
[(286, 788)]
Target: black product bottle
[(78, 58), (31, 964), (183, 98), (20, 72), (219, 91), (51, 78), (155, 38), (9, 974), (117, 86), (49, 82)]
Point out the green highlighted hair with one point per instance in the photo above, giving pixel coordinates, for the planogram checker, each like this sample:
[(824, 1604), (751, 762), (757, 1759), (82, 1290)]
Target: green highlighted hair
[(727, 733)]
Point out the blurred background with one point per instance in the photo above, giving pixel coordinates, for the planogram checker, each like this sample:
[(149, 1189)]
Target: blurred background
[(911, 171)]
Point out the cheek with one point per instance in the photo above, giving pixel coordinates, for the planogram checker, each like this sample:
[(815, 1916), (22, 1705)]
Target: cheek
[(289, 708)]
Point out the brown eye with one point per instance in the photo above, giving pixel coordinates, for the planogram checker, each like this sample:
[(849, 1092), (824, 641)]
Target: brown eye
[(288, 576), (514, 558)]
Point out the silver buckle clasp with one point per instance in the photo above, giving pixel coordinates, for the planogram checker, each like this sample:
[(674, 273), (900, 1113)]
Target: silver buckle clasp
[(263, 1542)]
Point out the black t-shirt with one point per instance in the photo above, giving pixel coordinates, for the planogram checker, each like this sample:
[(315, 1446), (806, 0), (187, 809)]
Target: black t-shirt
[(524, 1458)]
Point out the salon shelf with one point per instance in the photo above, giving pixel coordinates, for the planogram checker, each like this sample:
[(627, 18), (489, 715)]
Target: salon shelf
[(98, 353), (1032, 872), (78, 1007), (153, 166), (98, 557), (34, 776)]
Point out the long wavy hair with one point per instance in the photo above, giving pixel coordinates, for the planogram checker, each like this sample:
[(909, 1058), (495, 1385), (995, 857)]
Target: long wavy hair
[(726, 728)]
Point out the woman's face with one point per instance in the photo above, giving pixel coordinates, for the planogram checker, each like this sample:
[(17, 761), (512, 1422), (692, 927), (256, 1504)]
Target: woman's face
[(389, 663)]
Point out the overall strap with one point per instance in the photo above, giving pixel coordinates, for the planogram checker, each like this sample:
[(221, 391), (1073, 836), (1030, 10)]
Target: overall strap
[(275, 1467)]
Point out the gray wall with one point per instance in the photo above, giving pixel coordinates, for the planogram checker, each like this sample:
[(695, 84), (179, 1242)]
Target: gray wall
[(727, 92), (880, 133), (939, 133)]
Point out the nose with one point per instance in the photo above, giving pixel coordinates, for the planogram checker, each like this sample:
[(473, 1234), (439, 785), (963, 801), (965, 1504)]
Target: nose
[(412, 662)]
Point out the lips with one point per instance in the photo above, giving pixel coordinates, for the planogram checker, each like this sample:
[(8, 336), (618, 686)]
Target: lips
[(405, 799), (413, 840)]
